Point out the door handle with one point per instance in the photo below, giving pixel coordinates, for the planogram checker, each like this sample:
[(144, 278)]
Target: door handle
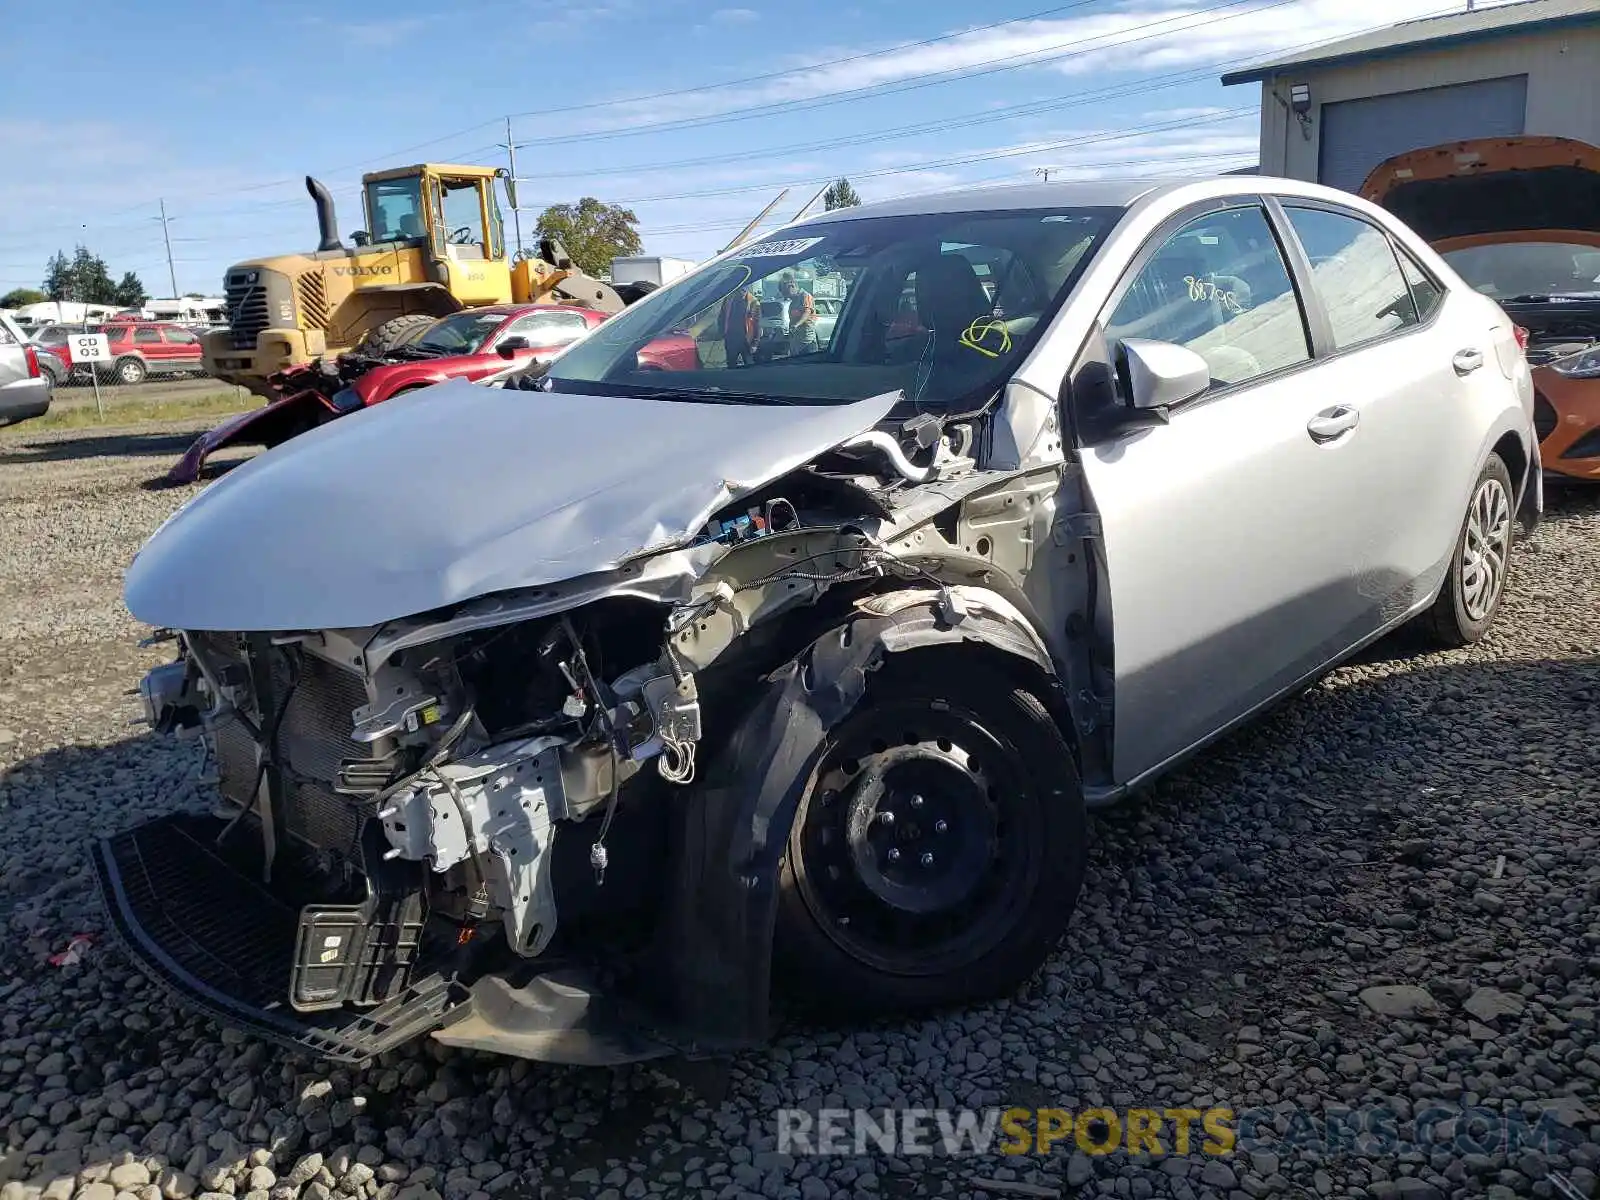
[(1332, 423), (1467, 361)]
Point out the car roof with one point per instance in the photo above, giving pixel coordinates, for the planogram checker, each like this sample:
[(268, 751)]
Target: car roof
[(1099, 193)]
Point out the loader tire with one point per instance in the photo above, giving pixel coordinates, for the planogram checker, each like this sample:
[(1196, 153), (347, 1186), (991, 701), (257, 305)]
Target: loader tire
[(396, 331)]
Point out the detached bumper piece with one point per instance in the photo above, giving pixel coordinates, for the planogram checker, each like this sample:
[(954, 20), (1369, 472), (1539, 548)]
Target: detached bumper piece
[(198, 924)]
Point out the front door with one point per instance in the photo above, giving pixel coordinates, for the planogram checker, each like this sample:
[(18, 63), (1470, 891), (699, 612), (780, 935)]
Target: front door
[(1228, 538)]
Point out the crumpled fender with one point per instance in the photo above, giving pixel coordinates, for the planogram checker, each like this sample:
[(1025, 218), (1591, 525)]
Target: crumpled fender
[(715, 943), (256, 426)]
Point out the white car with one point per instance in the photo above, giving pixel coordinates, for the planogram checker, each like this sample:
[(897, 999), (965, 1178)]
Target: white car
[(562, 724)]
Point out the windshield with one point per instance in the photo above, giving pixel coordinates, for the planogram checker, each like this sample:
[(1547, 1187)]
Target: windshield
[(1509, 269), (943, 306), (460, 333)]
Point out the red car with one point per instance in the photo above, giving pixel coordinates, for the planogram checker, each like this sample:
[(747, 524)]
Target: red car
[(139, 349), (469, 345)]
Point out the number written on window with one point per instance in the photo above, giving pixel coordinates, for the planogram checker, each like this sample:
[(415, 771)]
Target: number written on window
[(1218, 286)]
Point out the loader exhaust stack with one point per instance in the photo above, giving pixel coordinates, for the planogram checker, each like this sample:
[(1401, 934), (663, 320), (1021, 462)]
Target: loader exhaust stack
[(326, 225)]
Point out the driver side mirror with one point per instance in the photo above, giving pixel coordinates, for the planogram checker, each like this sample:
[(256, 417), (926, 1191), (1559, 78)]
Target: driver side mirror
[(1157, 375), (511, 345)]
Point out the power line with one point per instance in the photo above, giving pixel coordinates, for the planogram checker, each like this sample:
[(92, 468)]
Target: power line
[(817, 66), (915, 81), (988, 180), (988, 156)]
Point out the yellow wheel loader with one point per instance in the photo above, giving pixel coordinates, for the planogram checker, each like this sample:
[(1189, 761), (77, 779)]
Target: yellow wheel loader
[(434, 243)]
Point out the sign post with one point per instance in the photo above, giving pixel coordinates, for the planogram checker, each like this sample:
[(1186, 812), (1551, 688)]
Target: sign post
[(92, 350)]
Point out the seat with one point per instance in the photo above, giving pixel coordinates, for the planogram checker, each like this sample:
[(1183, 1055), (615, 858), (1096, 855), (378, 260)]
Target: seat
[(949, 298), (410, 226)]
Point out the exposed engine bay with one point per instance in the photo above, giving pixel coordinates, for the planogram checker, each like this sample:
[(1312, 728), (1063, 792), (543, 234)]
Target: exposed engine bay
[(487, 820)]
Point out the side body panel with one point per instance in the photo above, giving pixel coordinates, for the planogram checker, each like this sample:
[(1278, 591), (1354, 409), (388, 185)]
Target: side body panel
[(1231, 540)]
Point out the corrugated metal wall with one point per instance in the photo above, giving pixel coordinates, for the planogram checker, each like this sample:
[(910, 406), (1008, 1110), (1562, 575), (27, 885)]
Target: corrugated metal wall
[(1357, 135)]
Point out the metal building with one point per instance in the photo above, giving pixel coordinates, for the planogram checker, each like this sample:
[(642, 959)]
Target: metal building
[(1333, 113)]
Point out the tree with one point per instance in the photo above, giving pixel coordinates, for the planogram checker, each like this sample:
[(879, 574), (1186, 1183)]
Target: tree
[(840, 195), (58, 281), (593, 233), (130, 291), (92, 278), (21, 297), (83, 278)]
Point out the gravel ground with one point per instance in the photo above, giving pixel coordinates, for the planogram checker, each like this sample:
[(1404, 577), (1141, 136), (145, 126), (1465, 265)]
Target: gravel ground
[(1427, 821)]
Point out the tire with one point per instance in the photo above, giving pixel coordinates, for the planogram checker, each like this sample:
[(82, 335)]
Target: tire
[(980, 772), (396, 331), (1468, 601), (129, 371)]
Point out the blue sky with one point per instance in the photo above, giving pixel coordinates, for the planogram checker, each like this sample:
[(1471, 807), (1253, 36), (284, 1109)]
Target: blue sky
[(223, 106)]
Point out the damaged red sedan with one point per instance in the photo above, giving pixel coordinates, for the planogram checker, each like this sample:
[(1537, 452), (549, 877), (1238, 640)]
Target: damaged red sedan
[(466, 345)]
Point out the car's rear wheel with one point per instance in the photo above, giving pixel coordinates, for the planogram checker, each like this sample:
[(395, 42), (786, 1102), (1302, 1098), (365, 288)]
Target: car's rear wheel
[(130, 371), (938, 850), (1480, 563)]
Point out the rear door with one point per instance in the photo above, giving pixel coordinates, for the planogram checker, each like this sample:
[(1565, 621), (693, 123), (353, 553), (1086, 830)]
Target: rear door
[(1229, 532), (1407, 361), (148, 345)]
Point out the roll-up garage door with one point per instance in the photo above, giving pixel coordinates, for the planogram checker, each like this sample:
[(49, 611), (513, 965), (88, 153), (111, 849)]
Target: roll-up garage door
[(1357, 135)]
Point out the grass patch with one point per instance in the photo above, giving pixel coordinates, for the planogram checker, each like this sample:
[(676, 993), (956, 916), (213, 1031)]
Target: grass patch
[(134, 412)]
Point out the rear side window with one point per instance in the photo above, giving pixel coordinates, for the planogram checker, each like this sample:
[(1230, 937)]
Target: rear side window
[(1354, 273), (1426, 293), (146, 337), (181, 337), (1218, 286)]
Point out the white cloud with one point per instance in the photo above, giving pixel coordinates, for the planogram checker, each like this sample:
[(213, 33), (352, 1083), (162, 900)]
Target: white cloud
[(735, 16), (372, 35), (1144, 35)]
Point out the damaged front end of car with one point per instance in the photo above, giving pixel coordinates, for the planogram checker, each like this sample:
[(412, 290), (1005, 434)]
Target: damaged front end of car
[(547, 819)]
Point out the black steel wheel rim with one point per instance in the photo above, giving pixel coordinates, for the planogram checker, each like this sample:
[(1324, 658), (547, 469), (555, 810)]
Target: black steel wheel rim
[(921, 839)]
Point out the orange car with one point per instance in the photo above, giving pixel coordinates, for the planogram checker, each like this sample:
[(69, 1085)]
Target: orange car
[(1519, 219)]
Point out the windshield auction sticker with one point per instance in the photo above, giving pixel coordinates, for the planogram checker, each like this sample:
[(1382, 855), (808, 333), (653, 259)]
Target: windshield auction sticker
[(779, 249)]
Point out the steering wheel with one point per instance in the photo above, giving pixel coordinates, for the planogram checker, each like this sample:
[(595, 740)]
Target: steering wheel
[(460, 237)]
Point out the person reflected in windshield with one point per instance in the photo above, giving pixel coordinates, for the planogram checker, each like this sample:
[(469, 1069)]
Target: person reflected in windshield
[(802, 316), (740, 321)]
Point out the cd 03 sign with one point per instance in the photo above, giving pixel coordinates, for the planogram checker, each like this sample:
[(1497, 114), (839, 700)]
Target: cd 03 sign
[(90, 348)]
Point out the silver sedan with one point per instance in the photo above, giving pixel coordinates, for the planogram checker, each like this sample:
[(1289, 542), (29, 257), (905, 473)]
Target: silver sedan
[(1084, 476)]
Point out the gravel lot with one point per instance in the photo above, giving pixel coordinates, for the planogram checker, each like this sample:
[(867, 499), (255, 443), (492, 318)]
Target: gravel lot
[(1231, 921)]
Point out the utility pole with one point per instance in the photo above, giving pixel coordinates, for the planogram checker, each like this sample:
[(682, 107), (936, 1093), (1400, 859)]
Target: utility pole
[(511, 192), (1044, 171), (172, 274)]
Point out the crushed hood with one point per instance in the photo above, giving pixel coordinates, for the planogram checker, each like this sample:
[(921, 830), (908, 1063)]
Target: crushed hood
[(459, 490), (1491, 185)]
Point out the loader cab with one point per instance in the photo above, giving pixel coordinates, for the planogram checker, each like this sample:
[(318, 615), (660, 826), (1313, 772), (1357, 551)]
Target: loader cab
[(451, 214)]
